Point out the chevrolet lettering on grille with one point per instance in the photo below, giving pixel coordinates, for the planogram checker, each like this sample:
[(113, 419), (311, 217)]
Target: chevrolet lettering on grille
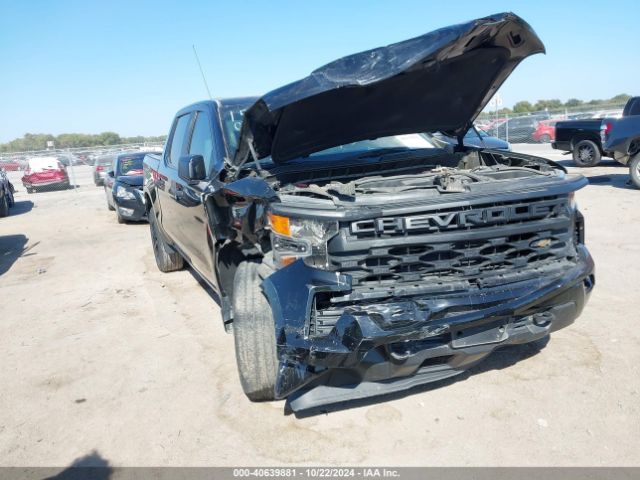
[(461, 219)]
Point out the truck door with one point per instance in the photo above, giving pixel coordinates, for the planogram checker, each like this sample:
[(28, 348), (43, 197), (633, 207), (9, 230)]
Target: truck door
[(189, 208), (167, 187)]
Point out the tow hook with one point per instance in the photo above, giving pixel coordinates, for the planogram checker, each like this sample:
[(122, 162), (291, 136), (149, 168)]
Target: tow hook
[(543, 319)]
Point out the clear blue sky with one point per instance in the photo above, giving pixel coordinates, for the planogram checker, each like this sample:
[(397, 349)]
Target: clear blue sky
[(127, 66)]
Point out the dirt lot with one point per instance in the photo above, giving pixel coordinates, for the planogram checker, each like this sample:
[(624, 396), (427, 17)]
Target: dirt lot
[(103, 355)]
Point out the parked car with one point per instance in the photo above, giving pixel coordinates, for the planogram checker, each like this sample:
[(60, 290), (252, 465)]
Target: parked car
[(583, 138), (352, 258), (9, 166), (45, 172), (123, 187), (69, 159), (517, 129), (473, 138), (545, 131), (6, 194), (101, 166)]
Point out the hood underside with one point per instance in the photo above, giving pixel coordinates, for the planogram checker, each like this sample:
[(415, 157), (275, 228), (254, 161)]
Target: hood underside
[(439, 81)]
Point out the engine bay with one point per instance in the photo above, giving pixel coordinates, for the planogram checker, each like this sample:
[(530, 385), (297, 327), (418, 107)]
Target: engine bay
[(442, 173)]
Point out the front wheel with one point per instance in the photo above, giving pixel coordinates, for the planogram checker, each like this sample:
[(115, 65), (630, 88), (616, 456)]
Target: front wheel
[(4, 206), (586, 154), (545, 138), (634, 170), (106, 195), (10, 199), (254, 334)]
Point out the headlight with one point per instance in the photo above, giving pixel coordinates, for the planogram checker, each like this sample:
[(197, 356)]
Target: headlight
[(124, 194), (294, 238)]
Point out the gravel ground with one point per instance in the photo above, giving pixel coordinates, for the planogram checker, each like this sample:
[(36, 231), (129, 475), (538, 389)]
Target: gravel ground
[(104, 357)]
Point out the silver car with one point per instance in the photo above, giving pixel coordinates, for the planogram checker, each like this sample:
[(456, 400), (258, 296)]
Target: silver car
[(101, 166)]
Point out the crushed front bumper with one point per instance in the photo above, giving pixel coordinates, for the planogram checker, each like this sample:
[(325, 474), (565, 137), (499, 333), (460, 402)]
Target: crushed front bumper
[(393, 345)]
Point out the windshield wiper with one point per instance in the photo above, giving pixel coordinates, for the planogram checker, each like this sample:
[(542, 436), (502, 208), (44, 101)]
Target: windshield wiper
[(381, 152)]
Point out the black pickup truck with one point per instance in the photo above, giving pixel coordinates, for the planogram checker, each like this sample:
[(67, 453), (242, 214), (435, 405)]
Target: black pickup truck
[(351, 257), (623, 141), (584, 137)]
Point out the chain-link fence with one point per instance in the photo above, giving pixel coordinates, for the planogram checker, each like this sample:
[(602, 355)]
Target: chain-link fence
[(56, 170), (539, 127)]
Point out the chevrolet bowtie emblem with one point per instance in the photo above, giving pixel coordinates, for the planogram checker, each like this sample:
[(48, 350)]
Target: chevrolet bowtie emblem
[(543, 243)]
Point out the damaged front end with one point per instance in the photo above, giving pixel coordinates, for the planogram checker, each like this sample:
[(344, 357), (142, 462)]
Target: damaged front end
[(387, 263), (400, 296)]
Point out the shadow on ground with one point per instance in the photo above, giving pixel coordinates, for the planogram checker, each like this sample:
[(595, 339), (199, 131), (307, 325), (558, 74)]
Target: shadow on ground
[(20, 207), (12, 247), (617, 180), (89, 467), (499, 359)]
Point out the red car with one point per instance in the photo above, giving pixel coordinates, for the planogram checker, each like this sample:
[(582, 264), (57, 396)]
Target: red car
[(546, 131), (9, 166), (45, 172)]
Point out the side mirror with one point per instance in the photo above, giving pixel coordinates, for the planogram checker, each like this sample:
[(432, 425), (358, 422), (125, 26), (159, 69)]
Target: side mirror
[(111, 173), (192, 168)]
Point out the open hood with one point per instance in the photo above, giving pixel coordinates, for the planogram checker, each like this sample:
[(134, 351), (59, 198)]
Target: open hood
[(439, 81)]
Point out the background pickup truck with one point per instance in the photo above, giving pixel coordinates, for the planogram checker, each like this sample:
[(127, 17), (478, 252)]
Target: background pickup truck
[(584, 138), (623, 143)]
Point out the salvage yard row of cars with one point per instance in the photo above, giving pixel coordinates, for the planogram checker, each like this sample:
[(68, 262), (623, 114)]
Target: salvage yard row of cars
[(362, 236)]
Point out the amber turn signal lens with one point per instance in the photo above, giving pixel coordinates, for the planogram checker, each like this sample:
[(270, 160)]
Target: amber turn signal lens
[(286, 261), (280, 224)]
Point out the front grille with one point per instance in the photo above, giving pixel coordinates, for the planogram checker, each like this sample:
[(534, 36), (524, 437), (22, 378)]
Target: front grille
[(464, 244)]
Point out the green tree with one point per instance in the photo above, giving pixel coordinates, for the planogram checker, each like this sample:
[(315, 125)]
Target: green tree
[(522, 107), (573, 102), (109, 138), (620, 98), (547, 105)]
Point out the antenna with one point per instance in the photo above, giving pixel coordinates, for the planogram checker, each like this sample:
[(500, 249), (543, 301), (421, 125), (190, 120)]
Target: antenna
[(202, 72)]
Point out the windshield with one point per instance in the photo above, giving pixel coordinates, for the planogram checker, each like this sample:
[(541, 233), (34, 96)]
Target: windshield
[(472, 133), (130, 165), (401, 142), (231, 117)]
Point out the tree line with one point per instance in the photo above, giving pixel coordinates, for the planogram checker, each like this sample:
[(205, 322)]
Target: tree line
[(38, 141), (524, 106)]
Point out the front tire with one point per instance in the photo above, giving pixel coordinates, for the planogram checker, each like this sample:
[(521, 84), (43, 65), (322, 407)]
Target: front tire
[(634, 170), (545, 138), (4, 206), (254, 334), (167, 259), (106, 195), (586, 154)]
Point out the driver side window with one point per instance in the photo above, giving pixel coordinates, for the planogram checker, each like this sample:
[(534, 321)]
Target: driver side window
[(178, 139), (202, 140)]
